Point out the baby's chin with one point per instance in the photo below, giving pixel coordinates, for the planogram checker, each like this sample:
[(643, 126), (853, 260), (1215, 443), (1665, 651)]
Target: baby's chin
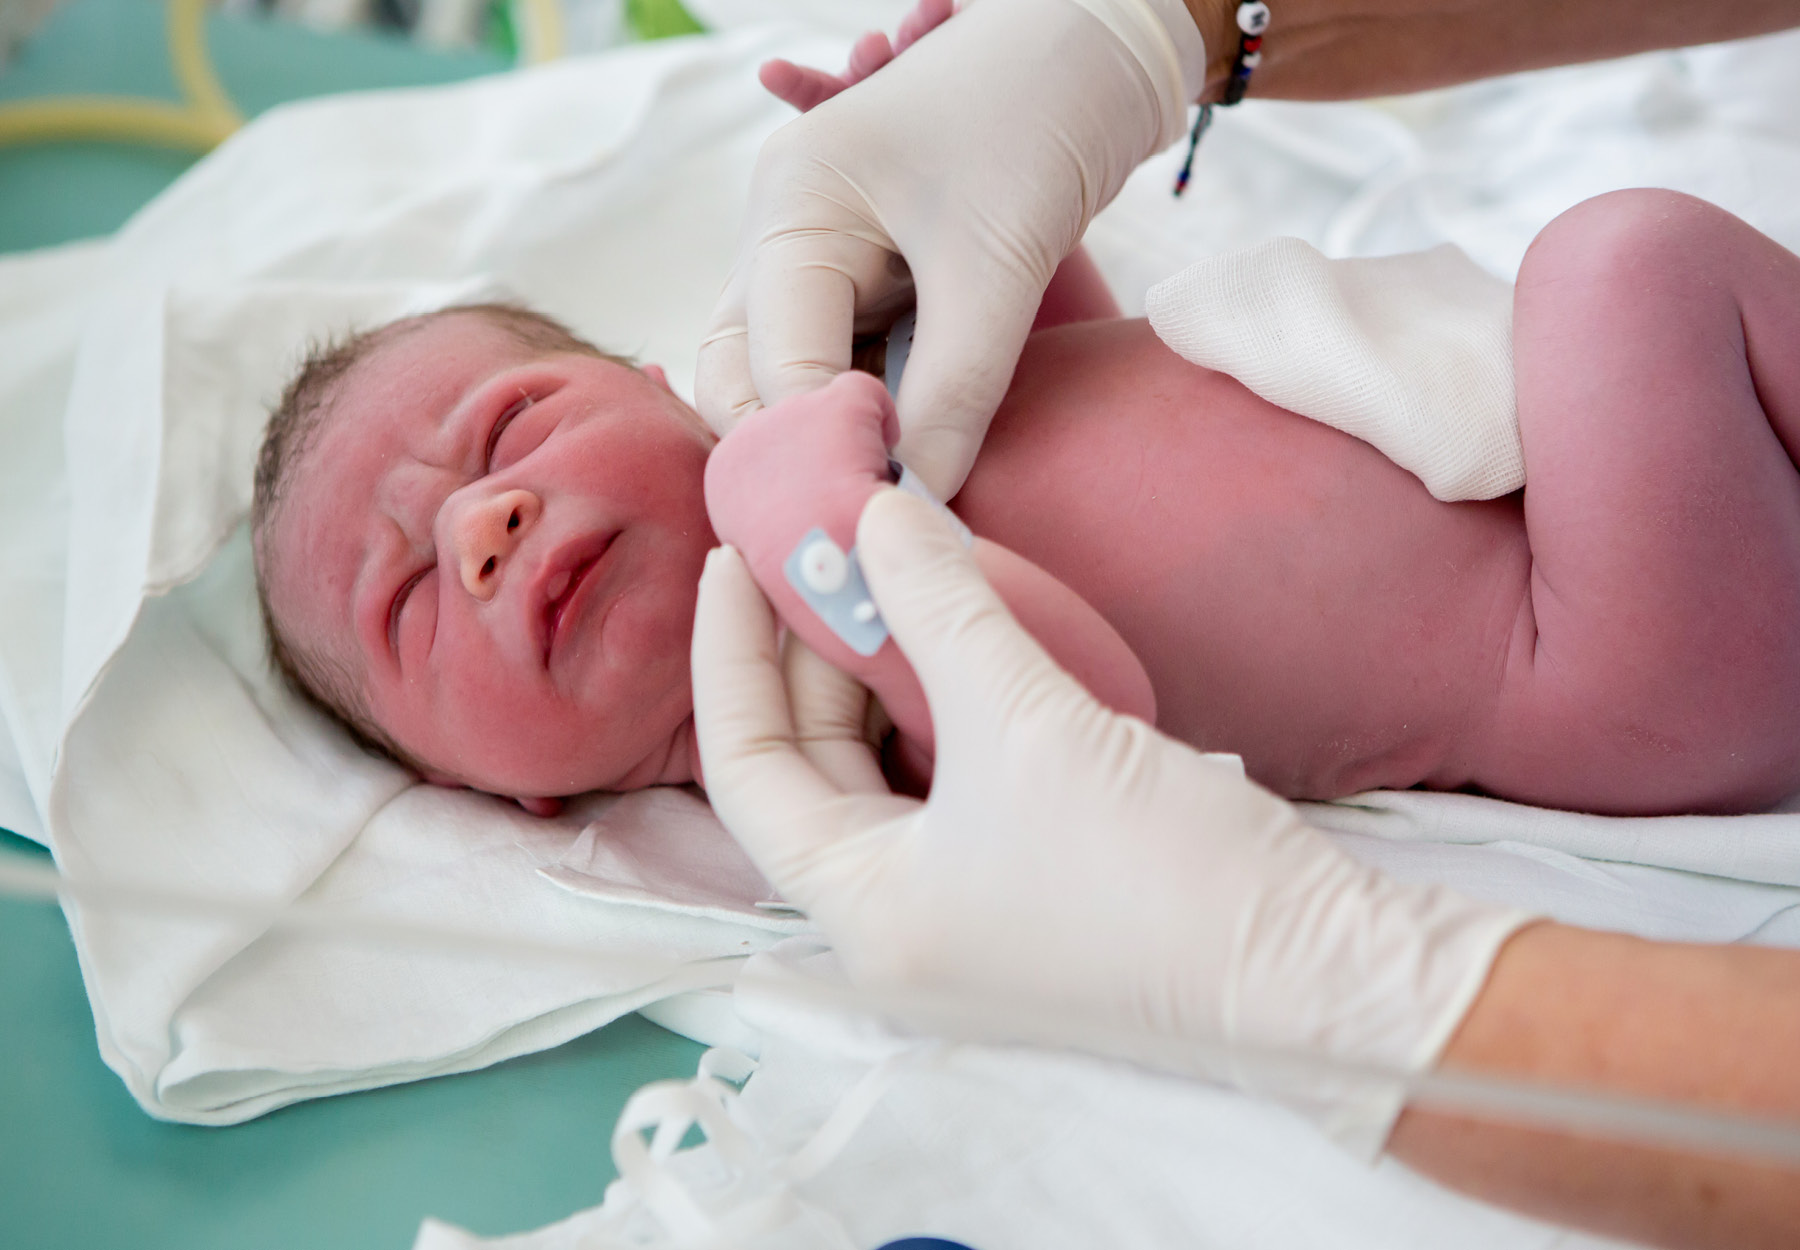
[(673, 759)]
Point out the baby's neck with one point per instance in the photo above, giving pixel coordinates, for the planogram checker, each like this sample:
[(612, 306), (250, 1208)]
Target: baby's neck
[(676, 764)]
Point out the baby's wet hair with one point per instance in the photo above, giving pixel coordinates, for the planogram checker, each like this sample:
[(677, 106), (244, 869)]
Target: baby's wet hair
[(306, 402)]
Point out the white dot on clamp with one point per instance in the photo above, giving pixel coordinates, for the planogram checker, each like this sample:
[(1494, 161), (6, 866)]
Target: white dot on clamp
[(823, 567), (863, 612)]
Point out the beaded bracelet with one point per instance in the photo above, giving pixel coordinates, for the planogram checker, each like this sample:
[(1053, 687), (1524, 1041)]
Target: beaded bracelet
[(1252, 21)]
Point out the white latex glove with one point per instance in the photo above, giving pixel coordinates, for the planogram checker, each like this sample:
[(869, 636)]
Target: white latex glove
[(961, 173), (1069, 860)]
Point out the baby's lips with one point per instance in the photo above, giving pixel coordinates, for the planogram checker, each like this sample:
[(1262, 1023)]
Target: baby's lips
[(564, 573)]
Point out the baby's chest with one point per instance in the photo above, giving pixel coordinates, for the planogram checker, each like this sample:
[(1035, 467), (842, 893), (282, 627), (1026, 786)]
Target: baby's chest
[(1245, 553)]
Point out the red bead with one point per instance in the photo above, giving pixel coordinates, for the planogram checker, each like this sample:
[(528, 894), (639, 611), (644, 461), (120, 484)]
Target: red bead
[(1253, 43)]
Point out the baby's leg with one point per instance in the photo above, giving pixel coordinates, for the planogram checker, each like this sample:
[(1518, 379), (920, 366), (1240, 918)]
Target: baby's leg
[(1657, 664)]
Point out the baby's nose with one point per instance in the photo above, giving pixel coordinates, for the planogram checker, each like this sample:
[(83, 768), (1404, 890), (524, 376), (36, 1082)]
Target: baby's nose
[(485, 532)]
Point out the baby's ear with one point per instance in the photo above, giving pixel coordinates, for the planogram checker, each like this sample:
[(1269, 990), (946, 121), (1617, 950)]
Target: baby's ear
[(655, 374), (543, 807), (537, 807)]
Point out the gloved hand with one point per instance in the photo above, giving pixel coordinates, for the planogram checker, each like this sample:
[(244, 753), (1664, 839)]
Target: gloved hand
[(961, 174), (1068, 860)]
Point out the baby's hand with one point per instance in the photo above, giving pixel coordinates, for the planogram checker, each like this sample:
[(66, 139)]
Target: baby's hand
[(806, 88), (811, 460)]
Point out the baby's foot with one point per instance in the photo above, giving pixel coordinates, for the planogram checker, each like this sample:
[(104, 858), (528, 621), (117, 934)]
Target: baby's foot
[(806, 88)]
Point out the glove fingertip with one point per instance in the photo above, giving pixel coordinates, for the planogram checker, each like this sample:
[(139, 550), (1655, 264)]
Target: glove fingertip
[(964, 350), (898, 530), (718, 560), (727, 597), (924, 579), (724, 392), (941, 457)]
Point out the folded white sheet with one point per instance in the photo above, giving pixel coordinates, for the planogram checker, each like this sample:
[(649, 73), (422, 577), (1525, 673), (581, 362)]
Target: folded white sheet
[(847, 18), (150, 744), (849, 1135), (846, 1135)]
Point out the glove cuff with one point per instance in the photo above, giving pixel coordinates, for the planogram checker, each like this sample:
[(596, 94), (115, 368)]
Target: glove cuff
[(1346, 963), (1162, 36), (1455, 958)]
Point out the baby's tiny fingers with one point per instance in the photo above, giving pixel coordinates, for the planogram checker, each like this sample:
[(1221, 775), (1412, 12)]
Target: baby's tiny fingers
[(926, 16), (869, 54), (798, 85)]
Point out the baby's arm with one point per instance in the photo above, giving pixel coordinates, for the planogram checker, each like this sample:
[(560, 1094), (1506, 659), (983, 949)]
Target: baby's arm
[(1076, 292), (810, 463)]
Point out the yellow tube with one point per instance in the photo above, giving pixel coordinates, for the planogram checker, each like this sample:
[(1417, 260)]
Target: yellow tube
[(193, 63), (200, 124), (208, 115), (540, 27), (117, 119)]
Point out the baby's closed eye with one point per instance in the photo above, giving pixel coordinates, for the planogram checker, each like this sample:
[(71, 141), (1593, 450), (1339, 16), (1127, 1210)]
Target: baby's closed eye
[(501, 425), (400, 598)]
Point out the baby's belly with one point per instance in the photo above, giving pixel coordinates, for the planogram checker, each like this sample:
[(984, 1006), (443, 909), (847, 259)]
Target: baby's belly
[(1295, 596)]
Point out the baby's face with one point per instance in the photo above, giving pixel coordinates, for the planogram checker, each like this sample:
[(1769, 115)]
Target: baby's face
[(500, 550)]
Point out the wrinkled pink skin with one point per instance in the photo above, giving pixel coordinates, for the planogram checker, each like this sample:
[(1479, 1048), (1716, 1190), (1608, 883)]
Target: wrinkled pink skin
[(1623, 636)]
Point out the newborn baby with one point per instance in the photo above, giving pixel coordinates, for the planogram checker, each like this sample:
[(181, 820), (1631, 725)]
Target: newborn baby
[(478, 540)]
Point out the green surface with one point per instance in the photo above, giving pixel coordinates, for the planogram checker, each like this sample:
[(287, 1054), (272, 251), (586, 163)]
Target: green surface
[(658, 19), (509, 1148), (54, 192)]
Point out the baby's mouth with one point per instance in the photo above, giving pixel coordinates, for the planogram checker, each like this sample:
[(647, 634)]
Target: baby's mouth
[(560, 595)]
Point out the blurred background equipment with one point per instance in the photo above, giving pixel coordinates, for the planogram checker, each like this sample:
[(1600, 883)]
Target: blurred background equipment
[(105, 102)]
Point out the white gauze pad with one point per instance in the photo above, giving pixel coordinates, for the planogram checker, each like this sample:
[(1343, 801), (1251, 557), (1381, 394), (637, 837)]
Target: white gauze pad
[(1410, 353)]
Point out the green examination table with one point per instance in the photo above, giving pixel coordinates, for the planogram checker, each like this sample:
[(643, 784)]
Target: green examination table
[(502, 1150)]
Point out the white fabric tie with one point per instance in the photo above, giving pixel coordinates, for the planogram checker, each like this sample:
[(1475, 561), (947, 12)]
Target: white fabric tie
[(1410, 353)]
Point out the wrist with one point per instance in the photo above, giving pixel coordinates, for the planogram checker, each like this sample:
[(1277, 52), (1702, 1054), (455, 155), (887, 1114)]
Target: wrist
[(1407, 962), (1216, 20)]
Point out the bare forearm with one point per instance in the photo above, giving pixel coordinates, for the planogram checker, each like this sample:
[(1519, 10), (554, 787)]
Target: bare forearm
[(1712, 1026), (1342, 49)]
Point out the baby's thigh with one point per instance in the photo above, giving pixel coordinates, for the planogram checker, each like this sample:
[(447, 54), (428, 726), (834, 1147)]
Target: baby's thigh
[(1662, 503)]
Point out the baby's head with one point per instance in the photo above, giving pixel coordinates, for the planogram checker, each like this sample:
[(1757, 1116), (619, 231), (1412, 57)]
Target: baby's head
[(477, 543)]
